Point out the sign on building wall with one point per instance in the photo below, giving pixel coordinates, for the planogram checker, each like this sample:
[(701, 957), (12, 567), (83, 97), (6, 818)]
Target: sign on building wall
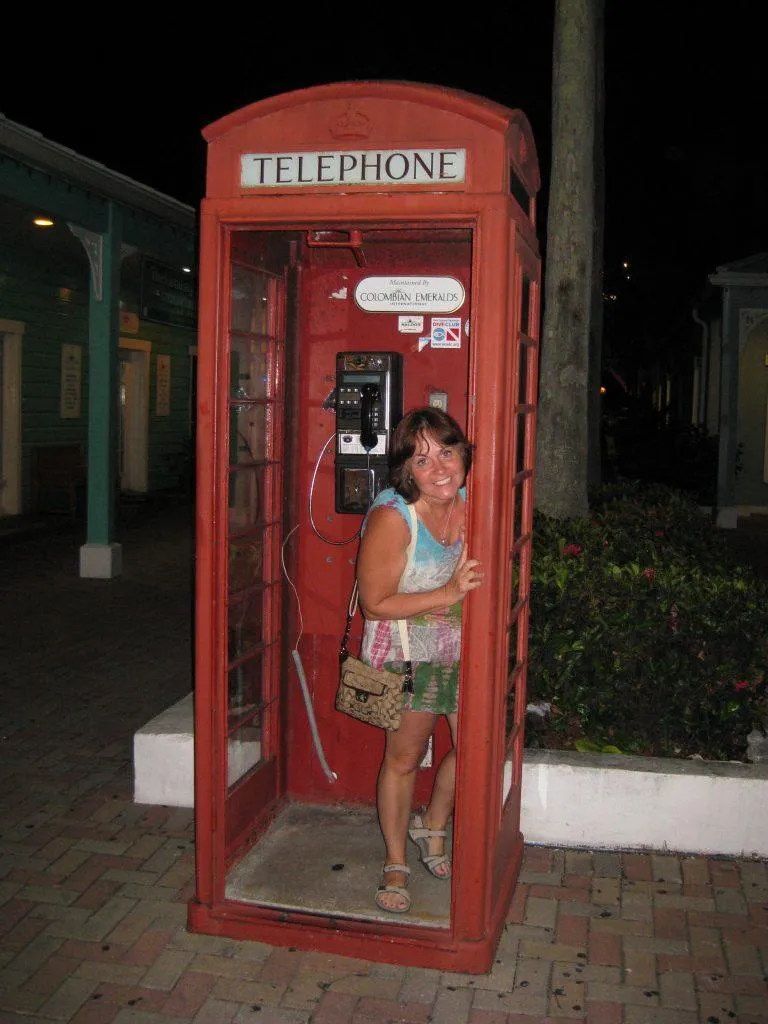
[(71, 381), (129, 322), (163, 390), (167, 294)]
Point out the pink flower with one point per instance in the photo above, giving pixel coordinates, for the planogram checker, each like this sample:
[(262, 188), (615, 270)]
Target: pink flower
[(742, 684), (571, 550), (659, 533), (650, 574)]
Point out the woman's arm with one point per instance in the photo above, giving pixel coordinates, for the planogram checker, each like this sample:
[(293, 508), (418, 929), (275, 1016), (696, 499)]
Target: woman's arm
[(380, 566)]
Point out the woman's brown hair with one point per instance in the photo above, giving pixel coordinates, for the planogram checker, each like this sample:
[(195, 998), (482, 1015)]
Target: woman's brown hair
[(413, 427)]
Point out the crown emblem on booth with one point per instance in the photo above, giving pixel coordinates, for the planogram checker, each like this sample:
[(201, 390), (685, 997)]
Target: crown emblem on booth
[(352, 124)]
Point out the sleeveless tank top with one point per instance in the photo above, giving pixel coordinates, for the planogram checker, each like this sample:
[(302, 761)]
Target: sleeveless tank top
[(434, 636)]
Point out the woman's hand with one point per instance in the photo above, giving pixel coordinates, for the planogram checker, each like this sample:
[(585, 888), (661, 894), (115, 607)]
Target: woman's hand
[(468, 575)]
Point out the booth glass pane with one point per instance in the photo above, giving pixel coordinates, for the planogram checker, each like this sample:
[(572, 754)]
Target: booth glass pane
[(245, 692), (520, 443), (511, 674), (245, 716), (249, 363), (517, 513), (246, 624), (248, 433), (246, 561), (248, 497), (525, 306), (244, 748), (523, 375), (249, 300), (516, 579), (252, 561)]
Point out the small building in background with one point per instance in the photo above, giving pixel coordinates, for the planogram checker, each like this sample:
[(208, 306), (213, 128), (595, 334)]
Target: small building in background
[(98, 313), (731, 385)]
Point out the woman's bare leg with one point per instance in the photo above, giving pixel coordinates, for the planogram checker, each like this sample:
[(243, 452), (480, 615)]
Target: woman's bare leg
[(397, 778), (440, 809)]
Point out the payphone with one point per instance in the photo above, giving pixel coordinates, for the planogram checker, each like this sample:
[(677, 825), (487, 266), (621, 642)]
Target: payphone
[(369, 404)]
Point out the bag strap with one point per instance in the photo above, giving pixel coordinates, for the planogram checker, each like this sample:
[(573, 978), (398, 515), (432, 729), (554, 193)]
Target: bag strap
[(412, 541), (351, 609), (401, 623), (404, 639)]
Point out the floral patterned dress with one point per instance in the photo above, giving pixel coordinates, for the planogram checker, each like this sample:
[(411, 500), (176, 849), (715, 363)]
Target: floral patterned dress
[(434, 638)]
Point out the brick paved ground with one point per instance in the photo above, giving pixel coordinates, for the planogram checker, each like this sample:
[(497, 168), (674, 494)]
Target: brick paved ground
[(93, 888)]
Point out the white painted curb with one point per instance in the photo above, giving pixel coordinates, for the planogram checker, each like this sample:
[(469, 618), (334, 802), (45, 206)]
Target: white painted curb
[(590, 801), (164, 757), (616, 802)]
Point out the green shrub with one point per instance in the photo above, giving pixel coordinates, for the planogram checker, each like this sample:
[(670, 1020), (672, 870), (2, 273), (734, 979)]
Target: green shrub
[(643, 636)]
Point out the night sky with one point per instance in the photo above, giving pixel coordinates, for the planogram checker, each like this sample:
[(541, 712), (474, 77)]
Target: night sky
[(686, 130)]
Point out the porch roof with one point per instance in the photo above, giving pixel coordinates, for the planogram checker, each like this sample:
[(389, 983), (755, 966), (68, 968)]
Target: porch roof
[(34, 149), (751, 272)]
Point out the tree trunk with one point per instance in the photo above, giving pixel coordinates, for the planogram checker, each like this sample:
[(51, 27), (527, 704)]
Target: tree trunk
[(563, 433)]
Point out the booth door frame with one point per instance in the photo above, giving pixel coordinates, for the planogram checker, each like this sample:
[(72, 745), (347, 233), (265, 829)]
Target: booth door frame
[(483, 753), (249, 798), (518, 463)]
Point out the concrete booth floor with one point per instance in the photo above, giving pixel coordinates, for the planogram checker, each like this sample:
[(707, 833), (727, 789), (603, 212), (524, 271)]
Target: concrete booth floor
[(94, 886), (327, 860)]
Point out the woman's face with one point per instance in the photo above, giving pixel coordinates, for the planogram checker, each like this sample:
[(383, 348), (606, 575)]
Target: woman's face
[(437, 469)]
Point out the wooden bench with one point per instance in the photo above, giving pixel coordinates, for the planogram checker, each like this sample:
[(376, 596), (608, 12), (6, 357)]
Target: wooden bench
[(59, 472)]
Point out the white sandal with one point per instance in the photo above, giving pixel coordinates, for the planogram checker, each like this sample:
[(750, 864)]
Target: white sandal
[(421, 835), (399, 890)]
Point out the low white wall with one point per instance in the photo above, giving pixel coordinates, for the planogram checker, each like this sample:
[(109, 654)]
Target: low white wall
[(612, 801), (592, 801), (164, 757)]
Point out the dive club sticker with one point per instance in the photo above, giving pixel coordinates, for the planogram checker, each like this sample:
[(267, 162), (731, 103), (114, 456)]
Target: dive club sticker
[(446, 332)]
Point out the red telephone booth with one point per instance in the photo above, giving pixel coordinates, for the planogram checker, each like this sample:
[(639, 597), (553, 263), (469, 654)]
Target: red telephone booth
[(356, 234)]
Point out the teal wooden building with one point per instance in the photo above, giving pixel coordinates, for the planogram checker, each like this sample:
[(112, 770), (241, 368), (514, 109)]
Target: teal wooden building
[(97, 340)]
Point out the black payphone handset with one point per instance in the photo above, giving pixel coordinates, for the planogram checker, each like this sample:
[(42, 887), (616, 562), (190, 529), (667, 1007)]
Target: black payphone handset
[(369, 405), (370, 394)]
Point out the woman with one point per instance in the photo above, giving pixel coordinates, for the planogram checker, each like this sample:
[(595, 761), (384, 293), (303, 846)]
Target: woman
[(429, 461)]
